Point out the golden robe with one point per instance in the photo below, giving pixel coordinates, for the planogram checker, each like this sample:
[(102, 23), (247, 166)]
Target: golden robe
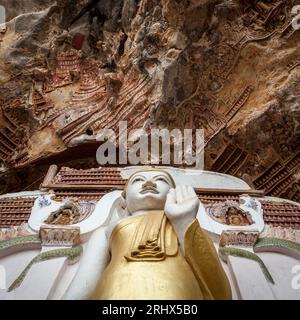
[(147, 263)]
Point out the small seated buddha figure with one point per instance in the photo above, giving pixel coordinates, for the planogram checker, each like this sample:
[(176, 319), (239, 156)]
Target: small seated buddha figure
[(67, 214), (156, 251), (236, 217)]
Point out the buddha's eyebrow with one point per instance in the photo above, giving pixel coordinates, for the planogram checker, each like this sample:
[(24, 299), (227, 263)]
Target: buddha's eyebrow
[(138, 176), (162, 176)]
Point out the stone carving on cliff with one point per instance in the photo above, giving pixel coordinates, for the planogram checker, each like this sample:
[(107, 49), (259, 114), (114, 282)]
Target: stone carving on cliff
[(221, 66), (67, 62)]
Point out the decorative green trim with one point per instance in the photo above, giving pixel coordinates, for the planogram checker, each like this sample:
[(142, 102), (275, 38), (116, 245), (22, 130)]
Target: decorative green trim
[(70, 253), (4, 244), (275, 243), (225, 252)]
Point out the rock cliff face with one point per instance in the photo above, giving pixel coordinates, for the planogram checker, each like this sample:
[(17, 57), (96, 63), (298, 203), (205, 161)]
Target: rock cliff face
[(70, 68)]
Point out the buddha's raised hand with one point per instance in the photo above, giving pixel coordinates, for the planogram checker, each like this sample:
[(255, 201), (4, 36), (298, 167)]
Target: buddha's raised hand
[(181, 208)]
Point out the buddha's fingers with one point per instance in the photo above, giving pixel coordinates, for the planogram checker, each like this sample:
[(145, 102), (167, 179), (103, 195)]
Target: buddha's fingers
[(187, 194), (171, 197), (179, 194)]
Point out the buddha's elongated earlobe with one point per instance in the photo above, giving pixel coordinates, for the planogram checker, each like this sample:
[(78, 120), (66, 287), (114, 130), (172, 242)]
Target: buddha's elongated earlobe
[(122, 209), (123, 200)]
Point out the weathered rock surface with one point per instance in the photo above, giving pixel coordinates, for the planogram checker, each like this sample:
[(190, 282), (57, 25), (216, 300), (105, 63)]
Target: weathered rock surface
[(71, 68)]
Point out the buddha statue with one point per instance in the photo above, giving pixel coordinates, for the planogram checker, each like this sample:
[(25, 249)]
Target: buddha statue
[(154, 248)]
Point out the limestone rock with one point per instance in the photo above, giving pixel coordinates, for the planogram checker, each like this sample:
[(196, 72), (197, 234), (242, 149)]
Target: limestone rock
[(229, 67)]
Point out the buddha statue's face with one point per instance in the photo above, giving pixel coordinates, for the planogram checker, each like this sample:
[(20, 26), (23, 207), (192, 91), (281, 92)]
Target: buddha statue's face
[(147, 190)]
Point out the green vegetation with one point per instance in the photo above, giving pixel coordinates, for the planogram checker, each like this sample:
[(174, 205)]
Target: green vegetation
[(70, 253), (229, 251)]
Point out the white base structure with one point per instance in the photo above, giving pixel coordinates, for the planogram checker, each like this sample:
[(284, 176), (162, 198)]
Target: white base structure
[(50, 279)]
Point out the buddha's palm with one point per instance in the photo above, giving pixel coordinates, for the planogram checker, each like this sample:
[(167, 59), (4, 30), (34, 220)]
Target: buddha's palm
[(181, 208)]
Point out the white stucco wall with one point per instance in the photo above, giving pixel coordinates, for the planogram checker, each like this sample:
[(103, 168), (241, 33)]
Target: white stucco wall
[(196, 178)]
